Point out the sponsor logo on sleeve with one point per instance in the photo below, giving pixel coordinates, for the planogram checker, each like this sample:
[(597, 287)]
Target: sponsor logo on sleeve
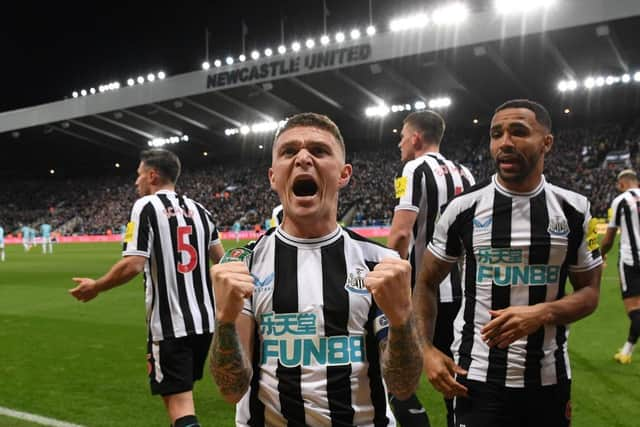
[(128, 234), (400, 184)]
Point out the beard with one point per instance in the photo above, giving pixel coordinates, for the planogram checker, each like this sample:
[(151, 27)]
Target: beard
[(524, 166)]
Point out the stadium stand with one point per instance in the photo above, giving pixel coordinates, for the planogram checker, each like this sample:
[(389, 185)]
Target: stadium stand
[(239, 192)]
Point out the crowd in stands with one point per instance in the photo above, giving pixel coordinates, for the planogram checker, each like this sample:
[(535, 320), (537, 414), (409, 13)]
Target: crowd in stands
[(242, 193)]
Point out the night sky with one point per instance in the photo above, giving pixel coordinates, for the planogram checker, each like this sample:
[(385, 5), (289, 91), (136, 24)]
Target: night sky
[(50, 49)]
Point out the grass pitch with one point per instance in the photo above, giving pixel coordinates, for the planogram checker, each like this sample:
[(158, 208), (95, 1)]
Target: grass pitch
[(85, 363)]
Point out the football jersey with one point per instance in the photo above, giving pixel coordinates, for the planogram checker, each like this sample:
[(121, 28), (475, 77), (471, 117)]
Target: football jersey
[(427, 183), (518, 250), (316, 353)]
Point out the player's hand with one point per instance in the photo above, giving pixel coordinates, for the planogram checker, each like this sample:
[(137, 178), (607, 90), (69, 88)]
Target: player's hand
[(511, 324), (86, 289), (390, 287), (441, 370), (232, 283)]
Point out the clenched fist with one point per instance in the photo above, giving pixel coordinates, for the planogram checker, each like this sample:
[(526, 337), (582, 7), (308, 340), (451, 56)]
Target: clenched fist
[(390, 286), (232, 283)]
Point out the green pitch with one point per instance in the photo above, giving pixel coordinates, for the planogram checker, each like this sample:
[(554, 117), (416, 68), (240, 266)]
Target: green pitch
[(85, 363)]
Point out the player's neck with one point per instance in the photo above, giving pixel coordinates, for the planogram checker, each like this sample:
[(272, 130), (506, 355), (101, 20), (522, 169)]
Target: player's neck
[(427, 149), (308, 229), (166, 187)]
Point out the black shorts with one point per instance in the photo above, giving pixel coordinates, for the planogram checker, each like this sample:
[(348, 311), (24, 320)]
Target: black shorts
[(443, 333), (490, 405), (629, 280), (175, 364)]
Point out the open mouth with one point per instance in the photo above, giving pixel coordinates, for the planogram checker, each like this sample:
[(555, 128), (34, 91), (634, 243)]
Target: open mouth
[(304, 187)]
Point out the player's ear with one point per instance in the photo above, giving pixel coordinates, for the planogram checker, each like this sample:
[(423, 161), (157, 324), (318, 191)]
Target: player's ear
[(272, 179), (345, 175), (548, 143)]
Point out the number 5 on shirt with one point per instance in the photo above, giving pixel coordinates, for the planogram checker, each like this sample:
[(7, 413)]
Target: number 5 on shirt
[(186, 247)]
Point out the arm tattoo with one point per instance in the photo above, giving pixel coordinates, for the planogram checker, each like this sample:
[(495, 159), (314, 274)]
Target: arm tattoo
[(229, 366), (425, 309), (402, 360)]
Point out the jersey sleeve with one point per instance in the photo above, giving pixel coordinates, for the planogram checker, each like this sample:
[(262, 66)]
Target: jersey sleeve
[(446, 243), (214, 238), (614, 218), (588, 253), (139, 233), (405, 190)]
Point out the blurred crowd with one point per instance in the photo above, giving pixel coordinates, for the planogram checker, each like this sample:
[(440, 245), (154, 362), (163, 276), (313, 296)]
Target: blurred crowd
[(580, 160)]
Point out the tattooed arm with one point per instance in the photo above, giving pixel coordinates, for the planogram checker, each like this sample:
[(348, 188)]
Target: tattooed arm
[(390, 286), (231, 353), (439, 368), (401, 360)]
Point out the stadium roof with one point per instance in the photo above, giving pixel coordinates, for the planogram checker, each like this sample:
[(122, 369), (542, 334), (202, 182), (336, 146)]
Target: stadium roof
[(478, 64)]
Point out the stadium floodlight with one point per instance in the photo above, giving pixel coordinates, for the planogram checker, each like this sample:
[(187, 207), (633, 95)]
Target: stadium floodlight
[(589, 82), (599, 81), (263, 127), (268, 52), (255, 55), (83, 92), (394, 109), (229, 60), (452, 14), (324, 40), (161, 75), (419, 20), (241, 58), (377, 111), (52, 171), (140, 79), (340, 37), (260, 146), (475, 121), (610, 80), (355, 34), (636, 76), (572, 85), (231, 131), (282, 49), (626, 78), (507, 7), (117, 165), (92, 90), (151, 77), (205, 153), (371, 30), (244, 129), (206, 65), (295, 46), (439, 103), (563, 86), (310, 43), (101, 88), (130, 81), (217, 63), (419, 105), (567, 110), (74, 94), (395, 131)]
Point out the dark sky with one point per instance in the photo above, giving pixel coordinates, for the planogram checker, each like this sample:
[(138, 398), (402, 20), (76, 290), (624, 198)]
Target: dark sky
[(50, 49)]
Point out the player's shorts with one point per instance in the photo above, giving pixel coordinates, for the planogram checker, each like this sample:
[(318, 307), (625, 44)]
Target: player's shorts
[(491, 405), (1, 245), (175, 364), (629, 280), (443, 333)]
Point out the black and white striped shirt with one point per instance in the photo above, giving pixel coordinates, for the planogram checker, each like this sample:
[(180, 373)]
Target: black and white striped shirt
[(316, 354), (427, 183), (518, 250), (625, 213), (175, 234)]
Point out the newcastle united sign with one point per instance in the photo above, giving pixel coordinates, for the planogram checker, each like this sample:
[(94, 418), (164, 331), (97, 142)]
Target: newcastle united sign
[(288, 65)]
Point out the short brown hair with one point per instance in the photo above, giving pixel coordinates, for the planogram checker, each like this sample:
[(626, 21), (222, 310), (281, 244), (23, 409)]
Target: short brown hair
[(429, 123), (314, 120), (166, 163)]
